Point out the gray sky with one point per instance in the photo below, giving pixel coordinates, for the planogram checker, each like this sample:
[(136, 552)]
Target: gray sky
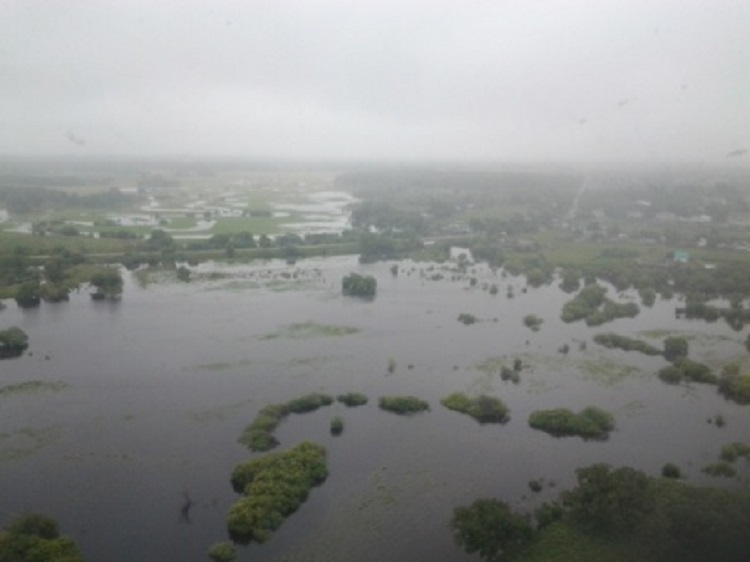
[(663, 80)]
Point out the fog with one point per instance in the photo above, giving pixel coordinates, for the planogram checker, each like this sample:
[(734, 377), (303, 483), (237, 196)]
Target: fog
[(627, 80)]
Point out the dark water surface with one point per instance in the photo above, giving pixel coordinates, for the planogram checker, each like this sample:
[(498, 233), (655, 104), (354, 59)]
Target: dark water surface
[(162, 383)]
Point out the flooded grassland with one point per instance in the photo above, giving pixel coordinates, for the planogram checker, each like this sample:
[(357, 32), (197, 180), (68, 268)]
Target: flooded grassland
[(121, 409)]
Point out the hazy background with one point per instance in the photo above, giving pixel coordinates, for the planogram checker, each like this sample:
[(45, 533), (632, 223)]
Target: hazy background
[(435, 79)]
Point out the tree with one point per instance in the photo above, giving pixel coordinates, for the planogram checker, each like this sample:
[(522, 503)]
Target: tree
[(27, 295), (13, 342), (490, 528), (108, 283)]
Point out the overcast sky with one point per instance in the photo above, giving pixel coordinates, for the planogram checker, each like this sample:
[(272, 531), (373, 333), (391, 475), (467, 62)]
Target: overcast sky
[(663, 80)]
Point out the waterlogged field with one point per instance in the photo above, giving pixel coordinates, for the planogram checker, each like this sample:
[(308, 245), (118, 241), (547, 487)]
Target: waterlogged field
[(121, 409)]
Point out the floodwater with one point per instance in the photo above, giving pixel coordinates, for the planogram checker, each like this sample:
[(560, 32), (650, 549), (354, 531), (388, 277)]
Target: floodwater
[(161, 383)]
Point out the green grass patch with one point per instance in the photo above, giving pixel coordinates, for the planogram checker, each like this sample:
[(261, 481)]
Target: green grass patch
[(307, 330), (28, 388)]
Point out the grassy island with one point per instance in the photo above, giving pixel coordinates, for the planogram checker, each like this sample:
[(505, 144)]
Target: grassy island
[(403, 405), (273, 487), (258, 436), (589, 423), (483, 408)]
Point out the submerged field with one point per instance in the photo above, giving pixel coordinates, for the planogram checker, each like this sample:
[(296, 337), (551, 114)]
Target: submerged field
[(123, 407)]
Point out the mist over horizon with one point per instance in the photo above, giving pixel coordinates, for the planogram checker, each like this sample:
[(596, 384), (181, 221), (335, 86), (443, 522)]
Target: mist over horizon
[(414, 83)]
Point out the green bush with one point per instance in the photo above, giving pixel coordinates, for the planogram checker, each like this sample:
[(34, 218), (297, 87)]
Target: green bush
[(467, 319), (736, 387), (532, 322), (722, 468), (337, 426), (675, 348), (671, 374), (273, 488), (671, 470), (357, 285), (403, 404), (222, 552), (733, 451), (309, 403), (13, 342), (696, 372), (35, 538), (483, 408), (352, 399), (589, 423)]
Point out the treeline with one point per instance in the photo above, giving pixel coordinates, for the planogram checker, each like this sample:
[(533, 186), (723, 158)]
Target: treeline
[(34, 199)]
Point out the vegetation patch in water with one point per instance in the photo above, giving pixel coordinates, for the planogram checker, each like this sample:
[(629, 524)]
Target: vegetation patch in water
[(258, 436), (533, 322), (32, 387), (35, 537), (273, 488), (721, 469), (617, 515), (687, 370), (589, 423), (305, 330), (483, 408), (352, 399), (13, 342), (403, 405), (734, 451), (25, 442), (591, 305), (735, 386), (616, 341)]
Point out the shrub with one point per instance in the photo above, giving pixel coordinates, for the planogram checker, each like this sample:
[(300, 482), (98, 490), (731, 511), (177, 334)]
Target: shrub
[(13, 342), (357, 285), (337, 426), (589, 423), (735, 387), (733, 451), (697, 372), (352, 399), (308, 403), (675, 348), (532, 322), (484, 409), (403, 404), (273, 487), (466, 318), (671, 470), (222, 552), (35, 537), (721, 468)]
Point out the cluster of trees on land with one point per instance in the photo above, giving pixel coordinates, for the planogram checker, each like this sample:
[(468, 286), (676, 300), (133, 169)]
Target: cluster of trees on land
[(612, 514), (36, 538)]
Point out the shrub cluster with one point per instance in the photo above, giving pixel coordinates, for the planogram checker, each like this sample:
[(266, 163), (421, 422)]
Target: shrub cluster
[(357, 285), (352, 399), (483, 408), (589, 423), (273, 487), (35, 537), (735, 386), (403, 404), (13, 342), (615, 341), (467, 319), (687, 370), (532, 322), (258, 436), (591, 305)]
